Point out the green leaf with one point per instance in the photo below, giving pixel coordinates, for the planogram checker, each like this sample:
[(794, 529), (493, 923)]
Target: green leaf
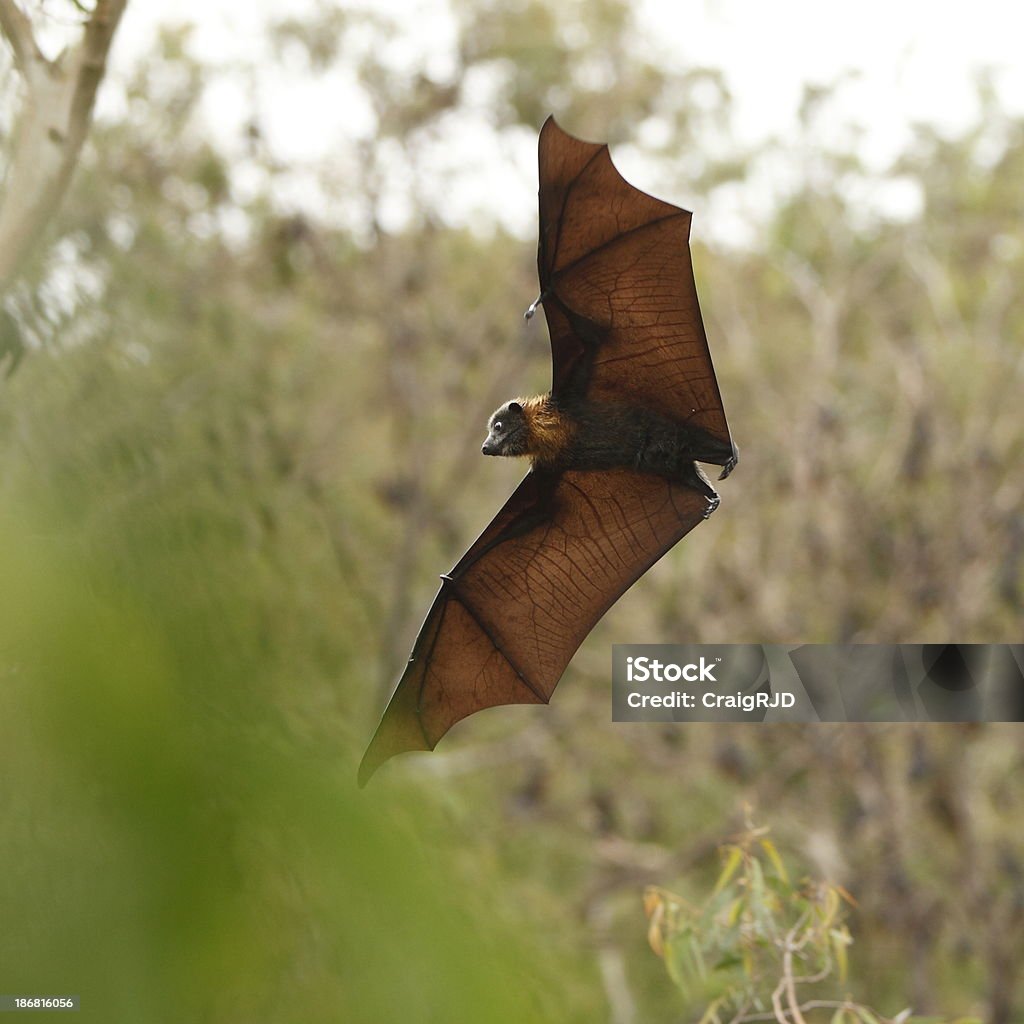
[(773, 855), (711, 1013), (699, 963), (735, 909), (674, 965), (732, 862), (727, 961), (840, 940), (832, 906)]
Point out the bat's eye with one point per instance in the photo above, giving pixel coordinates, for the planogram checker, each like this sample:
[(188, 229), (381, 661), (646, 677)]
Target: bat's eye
[(498, 425)]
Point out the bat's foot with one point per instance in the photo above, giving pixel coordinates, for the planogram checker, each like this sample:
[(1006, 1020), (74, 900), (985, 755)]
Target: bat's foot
[(731, 464), (693, 476)]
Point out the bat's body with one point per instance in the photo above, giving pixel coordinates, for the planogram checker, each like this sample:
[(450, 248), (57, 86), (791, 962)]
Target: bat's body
[(634, 406), (578, 434)]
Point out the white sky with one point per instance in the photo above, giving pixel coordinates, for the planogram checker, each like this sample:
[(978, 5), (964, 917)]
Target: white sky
[(914, 60)]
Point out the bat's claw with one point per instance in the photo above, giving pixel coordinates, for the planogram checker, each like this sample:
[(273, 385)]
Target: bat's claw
[(731, 464), (528, 315), (713, 503)]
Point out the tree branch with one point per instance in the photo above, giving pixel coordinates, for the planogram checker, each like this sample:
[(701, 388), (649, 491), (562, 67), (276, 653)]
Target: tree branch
[(778, 1013), (96, 40), (18, 29), (52, 126), (811, 1004), (794, 1003)]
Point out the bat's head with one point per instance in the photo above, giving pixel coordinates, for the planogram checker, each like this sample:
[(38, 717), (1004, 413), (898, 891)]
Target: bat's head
[(507, 431)]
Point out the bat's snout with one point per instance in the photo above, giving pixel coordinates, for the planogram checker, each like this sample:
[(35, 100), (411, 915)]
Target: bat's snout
[(488, 449)]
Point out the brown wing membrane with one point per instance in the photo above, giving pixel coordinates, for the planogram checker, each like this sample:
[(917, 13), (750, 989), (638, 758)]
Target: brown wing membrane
[(618, 289), (511, 614)]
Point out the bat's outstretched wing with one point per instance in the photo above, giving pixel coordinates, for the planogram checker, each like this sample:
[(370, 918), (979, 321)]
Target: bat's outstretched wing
[(511, 614), (618, 291)]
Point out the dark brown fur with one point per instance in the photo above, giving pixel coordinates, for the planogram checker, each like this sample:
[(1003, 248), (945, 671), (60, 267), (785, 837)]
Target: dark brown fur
[(604, 435)]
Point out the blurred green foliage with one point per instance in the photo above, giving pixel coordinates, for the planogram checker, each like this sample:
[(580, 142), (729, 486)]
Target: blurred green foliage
[(759, 946), (170, 853), (243, 441)]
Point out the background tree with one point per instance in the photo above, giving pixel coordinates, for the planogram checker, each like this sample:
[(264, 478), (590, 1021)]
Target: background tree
[(56, 110)]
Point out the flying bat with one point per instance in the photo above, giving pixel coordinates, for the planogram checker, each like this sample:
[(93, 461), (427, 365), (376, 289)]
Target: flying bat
[(614, 483)]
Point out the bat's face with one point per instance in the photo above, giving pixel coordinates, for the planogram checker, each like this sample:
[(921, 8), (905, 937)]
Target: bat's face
[(507, 431)]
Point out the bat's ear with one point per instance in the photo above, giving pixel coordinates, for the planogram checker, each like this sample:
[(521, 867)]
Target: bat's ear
[(515, 407)]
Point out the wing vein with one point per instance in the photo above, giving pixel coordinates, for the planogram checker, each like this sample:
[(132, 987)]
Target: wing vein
[(610, 244), (497, 646), (573, 182)]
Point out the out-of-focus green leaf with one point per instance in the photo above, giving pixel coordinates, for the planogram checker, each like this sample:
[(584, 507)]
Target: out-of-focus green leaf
[(840, 940), (773, 854), (864, 1014), (733, 859)]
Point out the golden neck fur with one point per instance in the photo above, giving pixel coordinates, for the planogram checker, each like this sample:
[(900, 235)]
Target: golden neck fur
[(550, 430)]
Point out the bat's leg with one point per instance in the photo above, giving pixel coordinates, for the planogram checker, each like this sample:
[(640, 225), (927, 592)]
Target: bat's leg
[(692, 476), (669, 451), (662, 451)]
